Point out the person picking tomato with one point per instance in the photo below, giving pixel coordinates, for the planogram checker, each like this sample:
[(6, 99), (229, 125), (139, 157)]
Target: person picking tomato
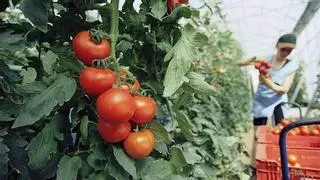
[(274, 84), (272, 92)]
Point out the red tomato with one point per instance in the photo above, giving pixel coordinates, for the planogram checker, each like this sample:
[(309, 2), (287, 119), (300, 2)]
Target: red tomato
[(139, 144), (123, 74), (276, 131), (304, 131), (268, 65), (134, 88), (95, 81), (87, 50), (115, 105), (297, 165), (257, 66), (298, 132), (284, 122), (145, 109), (172, 4), (113, 132), (264, 63), (292, 159), (314, 132), (292, 133), (264, 71)]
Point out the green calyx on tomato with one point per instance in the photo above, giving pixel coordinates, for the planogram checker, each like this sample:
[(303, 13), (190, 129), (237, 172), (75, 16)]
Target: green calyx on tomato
[(87, 50)]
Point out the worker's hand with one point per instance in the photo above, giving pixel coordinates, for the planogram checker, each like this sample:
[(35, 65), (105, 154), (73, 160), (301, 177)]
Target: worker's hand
[(265, 79)]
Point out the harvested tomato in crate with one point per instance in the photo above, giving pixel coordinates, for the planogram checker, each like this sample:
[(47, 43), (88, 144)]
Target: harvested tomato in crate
[(303, 137), (303, 163)]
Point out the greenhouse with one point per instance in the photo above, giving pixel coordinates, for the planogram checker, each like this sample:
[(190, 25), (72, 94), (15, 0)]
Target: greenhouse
[(159, 90)]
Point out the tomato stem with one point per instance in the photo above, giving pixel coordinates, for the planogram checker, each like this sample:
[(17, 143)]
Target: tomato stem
[(114, 35)]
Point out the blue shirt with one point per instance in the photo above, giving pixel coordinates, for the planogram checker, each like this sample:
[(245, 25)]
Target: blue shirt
[(266, 99)]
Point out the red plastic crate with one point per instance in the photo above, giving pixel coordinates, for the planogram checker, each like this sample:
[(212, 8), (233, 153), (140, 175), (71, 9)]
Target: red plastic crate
[(266, 137), (267, 167)]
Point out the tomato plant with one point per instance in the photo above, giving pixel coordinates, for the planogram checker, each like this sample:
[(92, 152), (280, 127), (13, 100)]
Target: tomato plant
[(95, 81), (88, 50), (139, 144)]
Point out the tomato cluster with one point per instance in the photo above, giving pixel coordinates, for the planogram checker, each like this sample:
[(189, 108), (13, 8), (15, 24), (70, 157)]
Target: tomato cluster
[(118, 105), (292, 161), (263, 67), (118, 110), (312, 130)]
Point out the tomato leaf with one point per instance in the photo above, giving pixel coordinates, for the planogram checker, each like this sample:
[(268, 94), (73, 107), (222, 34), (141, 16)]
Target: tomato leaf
[(125, 161), (42, 104), (184, 99), (3, 160), (116, 170), (198, 85), (192, 157), (49, 59), (31, 88), (157, 169), (8, 75), (160, 132), (18, 156), (158, 8), (36, 11), (177, 159), (98, 157), (28, 75), (124, 46), (164, 46), (50, 170), (161, 147), (185, 125), (11, 41), (177, 13), (180, 56), (68, 168), (43, 146)]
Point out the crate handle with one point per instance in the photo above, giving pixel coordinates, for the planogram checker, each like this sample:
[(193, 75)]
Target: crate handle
[(282, 142), (294, 105)]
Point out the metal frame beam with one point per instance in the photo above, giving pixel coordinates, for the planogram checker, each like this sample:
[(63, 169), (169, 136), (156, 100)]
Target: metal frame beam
[(311, 9)]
